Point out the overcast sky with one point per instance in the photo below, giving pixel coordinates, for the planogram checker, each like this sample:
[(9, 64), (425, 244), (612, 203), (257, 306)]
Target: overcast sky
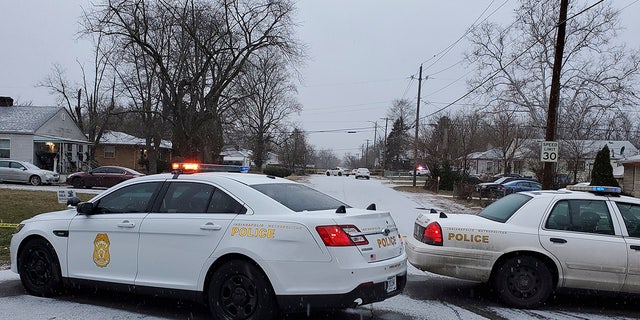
[(363, 54)]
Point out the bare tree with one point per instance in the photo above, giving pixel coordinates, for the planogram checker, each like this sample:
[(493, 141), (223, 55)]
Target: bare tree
[(139, 81), (466, 136), (294, 150), (405, 110), (265, 101), (198, 48), (92, 110), (508, 133), (514, 64)]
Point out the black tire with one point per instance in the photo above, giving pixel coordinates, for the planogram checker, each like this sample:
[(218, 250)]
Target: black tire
[(77, 183), (339, 174), (239, 290), (328, 174), (39, 268), (367, 178), (35, 180), (523, 282)]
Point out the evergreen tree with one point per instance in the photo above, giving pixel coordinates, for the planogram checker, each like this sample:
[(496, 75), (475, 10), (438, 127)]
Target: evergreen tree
[(396, 144), (602, 173)]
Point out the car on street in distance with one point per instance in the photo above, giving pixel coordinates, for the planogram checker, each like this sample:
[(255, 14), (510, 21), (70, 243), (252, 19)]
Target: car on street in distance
[(337, 171), (518, 185), (26, 172), (249, 246), (420, 171), (363, 173), (490, 189), (105, 176), (530, 243)]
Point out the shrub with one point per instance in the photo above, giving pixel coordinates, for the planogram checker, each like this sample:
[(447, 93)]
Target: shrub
[(277, 171)]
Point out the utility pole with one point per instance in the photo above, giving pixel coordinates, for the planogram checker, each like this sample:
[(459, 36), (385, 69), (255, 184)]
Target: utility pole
[(366, 155), (415, 140), (384, 149), (554, 96)]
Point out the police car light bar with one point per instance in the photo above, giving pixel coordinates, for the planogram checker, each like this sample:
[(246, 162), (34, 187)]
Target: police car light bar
[(600, 189), (188, 167)]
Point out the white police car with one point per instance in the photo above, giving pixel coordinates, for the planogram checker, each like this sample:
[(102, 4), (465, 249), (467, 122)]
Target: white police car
[(527, 244), (249, 246)]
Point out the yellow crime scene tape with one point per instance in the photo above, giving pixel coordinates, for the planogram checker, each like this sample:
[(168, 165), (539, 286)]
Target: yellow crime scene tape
[(8, 225)]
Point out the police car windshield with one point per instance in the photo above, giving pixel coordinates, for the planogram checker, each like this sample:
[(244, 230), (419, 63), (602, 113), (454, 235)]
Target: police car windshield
[(298, 197), (502, 209)]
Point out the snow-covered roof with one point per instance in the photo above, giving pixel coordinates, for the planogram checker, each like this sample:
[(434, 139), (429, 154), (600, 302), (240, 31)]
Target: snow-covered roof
[(25, 119), (491, 154), (121, 138)]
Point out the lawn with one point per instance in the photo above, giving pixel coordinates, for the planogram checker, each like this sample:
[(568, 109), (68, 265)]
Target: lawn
[(17, 205)]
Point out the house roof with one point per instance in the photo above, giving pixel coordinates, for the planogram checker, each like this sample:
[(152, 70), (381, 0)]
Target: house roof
[(633, 159), (121, 138), (25, 119), (491, 154)]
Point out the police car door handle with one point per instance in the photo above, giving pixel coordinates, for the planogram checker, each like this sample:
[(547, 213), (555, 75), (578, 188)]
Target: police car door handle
[(210, 226), (126, 224), (634, 247), (558, 240)]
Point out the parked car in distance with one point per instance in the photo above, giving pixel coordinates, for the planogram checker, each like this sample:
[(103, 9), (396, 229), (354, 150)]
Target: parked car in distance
[(519, 185), (487, 189), (26, 172), (363, 173), (337, 171), (106, 176)]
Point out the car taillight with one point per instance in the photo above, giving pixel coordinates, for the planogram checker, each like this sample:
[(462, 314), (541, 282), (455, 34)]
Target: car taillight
[(432, 234), (339, 236)]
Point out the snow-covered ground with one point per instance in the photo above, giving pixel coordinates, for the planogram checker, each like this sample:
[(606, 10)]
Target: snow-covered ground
[(359, 193)]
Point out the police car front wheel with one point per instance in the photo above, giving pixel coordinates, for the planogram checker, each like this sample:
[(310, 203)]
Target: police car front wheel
[(240, 290), (523, 282), (39, 268)]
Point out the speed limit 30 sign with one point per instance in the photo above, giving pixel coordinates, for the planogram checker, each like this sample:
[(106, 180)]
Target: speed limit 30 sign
[(549, 151)]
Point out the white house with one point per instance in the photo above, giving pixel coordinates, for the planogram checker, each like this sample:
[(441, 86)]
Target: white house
[(44, 136)]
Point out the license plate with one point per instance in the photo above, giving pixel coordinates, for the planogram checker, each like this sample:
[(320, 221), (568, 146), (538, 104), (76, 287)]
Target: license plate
[(391, 285)]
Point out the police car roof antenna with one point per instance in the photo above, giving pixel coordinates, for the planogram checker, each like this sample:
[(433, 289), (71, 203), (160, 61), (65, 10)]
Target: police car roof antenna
[(372, 207), (443, 215), (341, 209)]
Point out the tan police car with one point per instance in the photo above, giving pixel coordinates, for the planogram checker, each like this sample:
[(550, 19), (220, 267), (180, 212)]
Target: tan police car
[(527, 244), (249, 246)]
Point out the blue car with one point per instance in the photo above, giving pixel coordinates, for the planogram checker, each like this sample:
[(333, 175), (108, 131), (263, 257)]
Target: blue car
[(518, 185)]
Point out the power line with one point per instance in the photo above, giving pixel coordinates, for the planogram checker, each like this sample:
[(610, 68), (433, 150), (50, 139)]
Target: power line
[(489, 78)]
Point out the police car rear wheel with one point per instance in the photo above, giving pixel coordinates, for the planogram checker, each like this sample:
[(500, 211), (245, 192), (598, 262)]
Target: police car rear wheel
[(523, 282), (39, 268), (239, 290)]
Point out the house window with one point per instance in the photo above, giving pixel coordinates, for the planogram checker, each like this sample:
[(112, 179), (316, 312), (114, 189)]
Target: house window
[(5, 148), (489, 167), (109, 151)]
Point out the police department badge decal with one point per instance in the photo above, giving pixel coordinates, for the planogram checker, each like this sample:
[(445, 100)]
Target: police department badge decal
[(101, 256)]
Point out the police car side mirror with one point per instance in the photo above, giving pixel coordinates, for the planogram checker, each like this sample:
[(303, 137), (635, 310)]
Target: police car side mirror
[(85, 208), (73, 201)]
